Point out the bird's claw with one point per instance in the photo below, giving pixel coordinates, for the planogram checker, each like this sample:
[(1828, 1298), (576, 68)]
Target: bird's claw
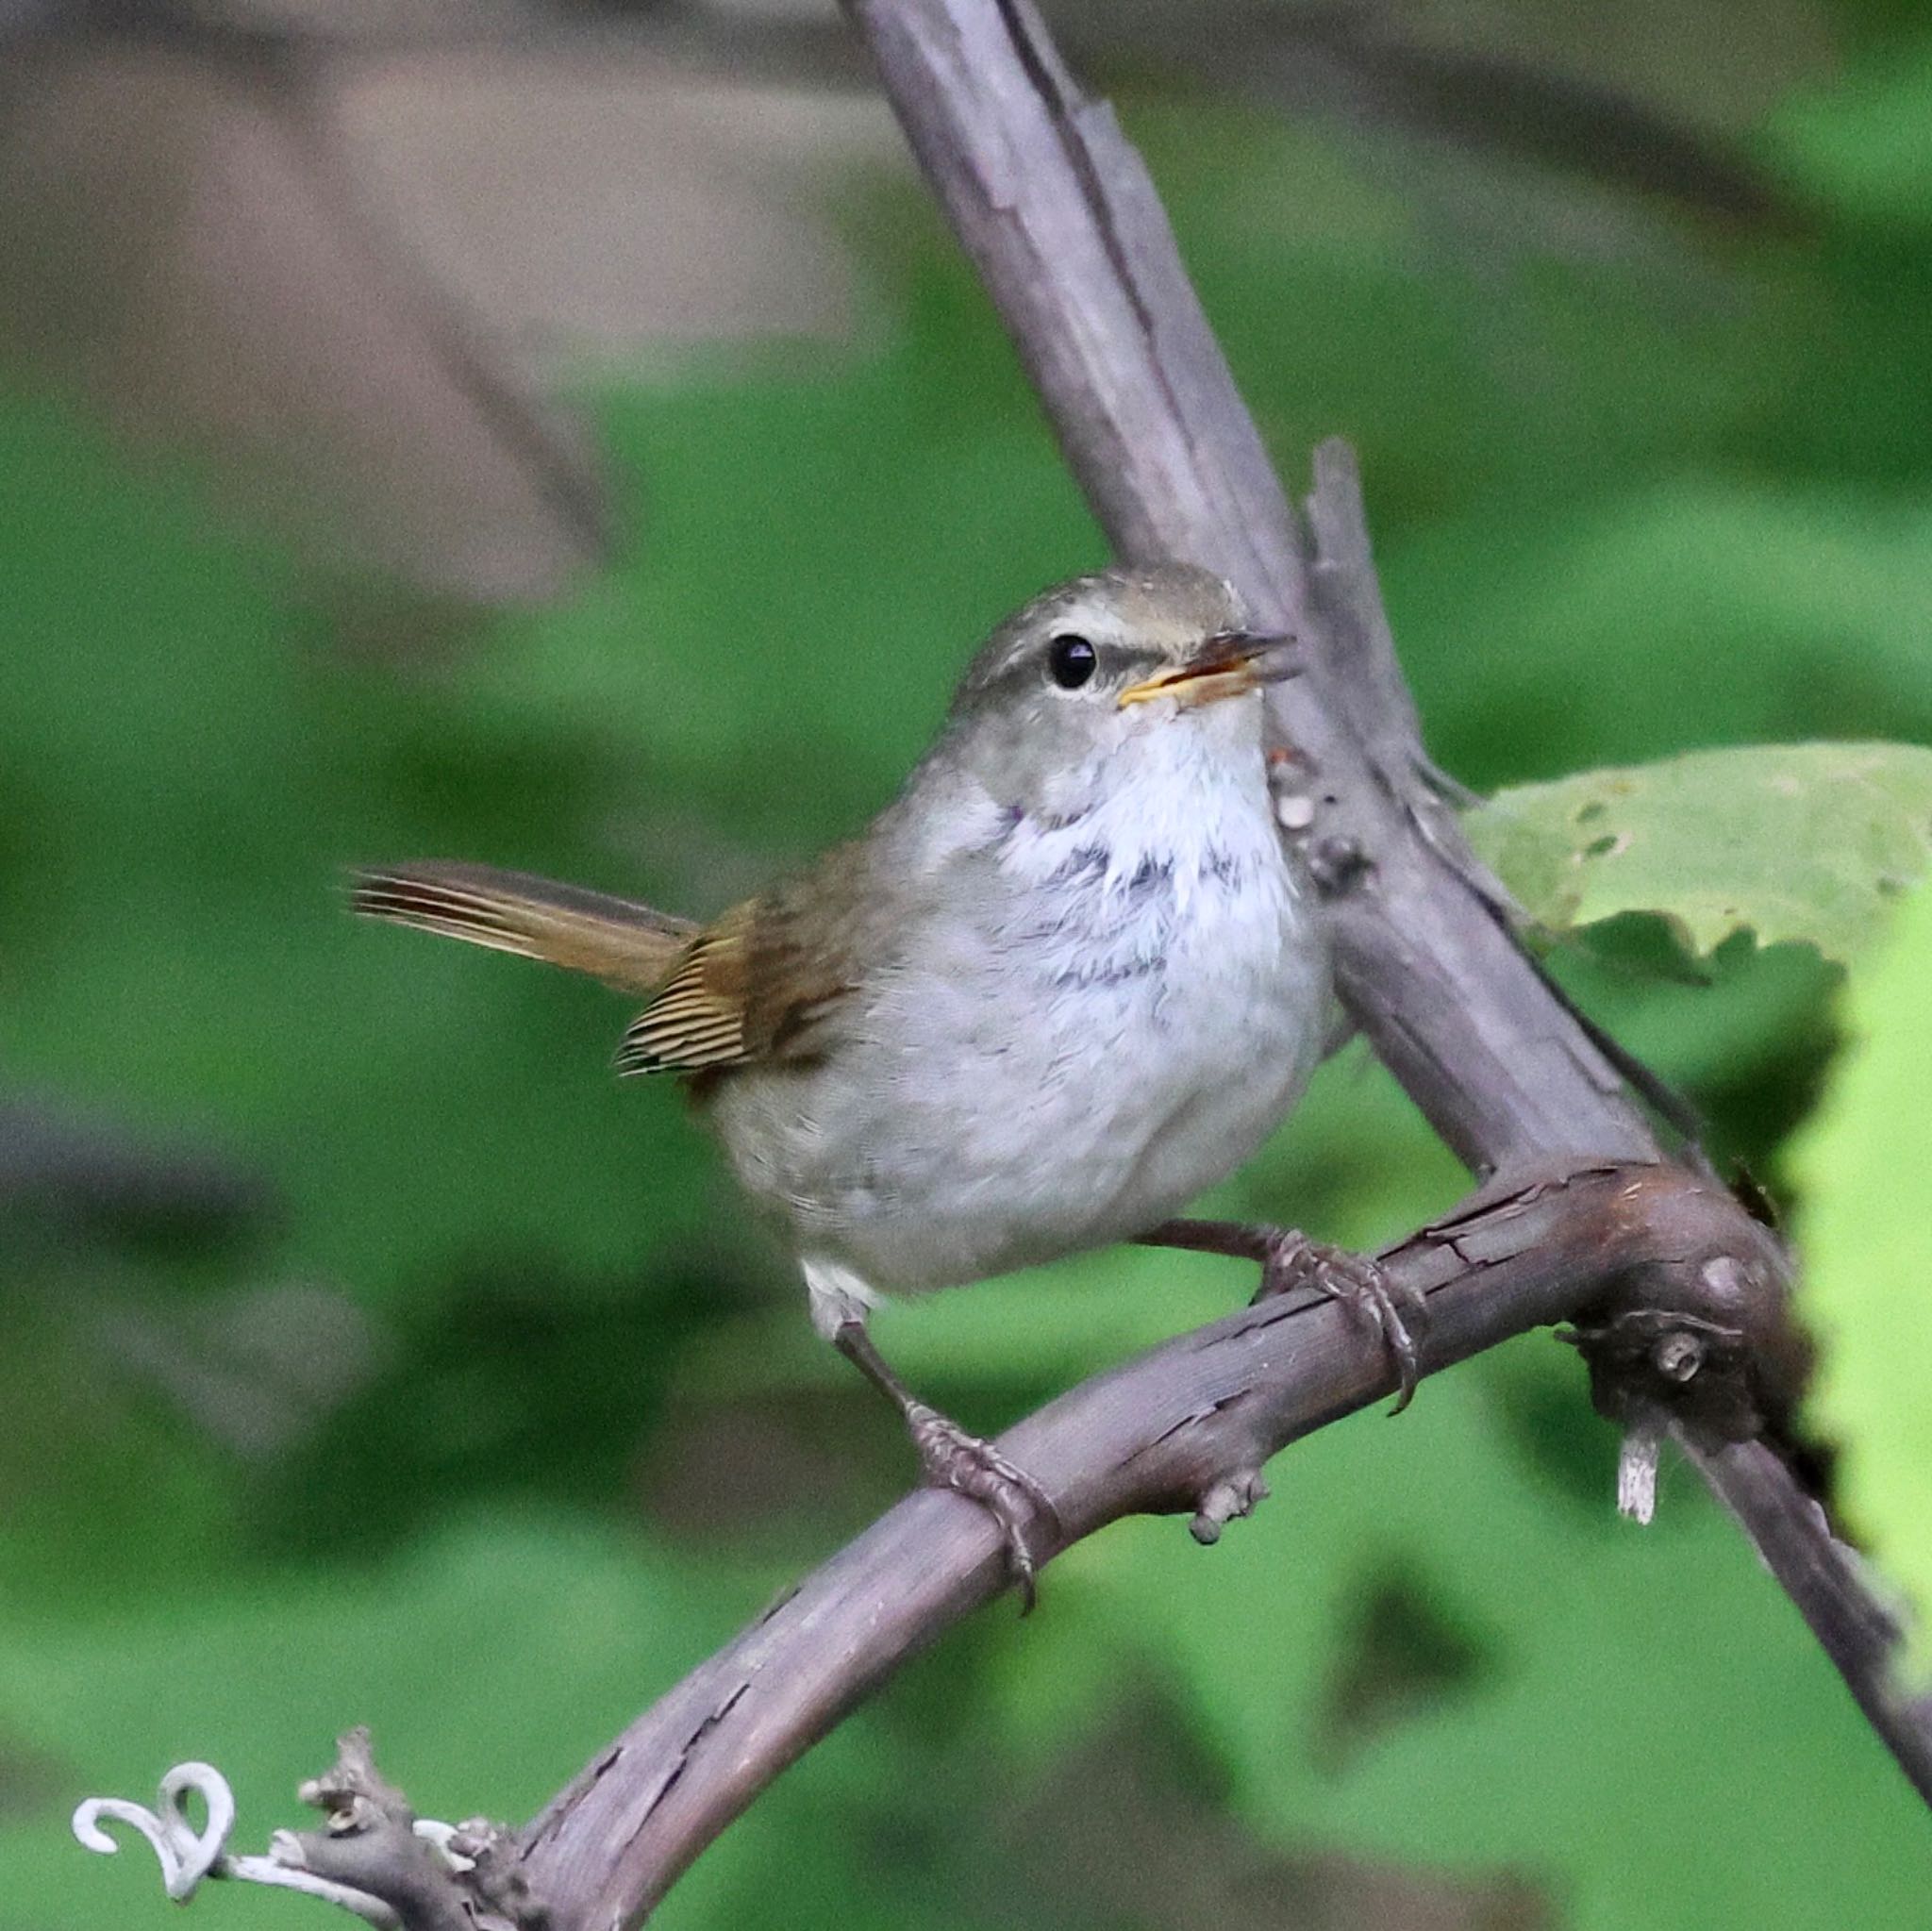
[(954, 1459), (1294, 1261)]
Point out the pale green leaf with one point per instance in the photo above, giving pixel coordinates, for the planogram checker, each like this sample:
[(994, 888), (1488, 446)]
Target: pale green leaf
[(1805, 843), (1868, 1247)]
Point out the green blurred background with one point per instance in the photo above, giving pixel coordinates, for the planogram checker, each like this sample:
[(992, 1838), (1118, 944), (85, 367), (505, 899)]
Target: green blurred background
[(371, 1355)]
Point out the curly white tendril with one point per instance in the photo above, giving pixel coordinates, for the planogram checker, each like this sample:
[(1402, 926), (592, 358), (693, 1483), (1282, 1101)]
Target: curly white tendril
[(188, 1854)]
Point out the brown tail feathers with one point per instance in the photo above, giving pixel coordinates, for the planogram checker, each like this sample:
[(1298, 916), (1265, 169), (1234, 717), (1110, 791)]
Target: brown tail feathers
[(616, 939)]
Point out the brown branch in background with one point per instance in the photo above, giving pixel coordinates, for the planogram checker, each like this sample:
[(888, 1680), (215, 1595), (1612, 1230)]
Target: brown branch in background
[(1365, 66), (94, 1171), (237, 226)]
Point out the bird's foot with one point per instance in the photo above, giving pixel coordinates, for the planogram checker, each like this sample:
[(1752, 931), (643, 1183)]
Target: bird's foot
[(954, 1459), (1291, 1260)]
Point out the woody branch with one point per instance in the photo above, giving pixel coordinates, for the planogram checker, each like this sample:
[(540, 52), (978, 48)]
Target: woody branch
[(1060, 218), (1580, 1215)]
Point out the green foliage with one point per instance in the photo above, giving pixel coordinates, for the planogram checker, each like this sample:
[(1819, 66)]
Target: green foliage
[(1804, 842), (1868, 144), (1868, 1254), (1701, 610), (564, 1426), (1587, 1667)]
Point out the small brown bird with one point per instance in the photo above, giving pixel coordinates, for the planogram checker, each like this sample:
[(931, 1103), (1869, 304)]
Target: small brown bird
[(1069, 979)]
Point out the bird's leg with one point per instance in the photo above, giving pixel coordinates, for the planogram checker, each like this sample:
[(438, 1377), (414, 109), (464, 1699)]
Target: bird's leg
[(1289, 1260), (954, 1459)]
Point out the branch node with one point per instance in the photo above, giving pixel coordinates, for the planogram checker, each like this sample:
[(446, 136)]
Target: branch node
[(435, 1876), (374, 1857), (1658, 1361), (1232, 1496), (1697, 1332), (352, 1794), (1337, 864)]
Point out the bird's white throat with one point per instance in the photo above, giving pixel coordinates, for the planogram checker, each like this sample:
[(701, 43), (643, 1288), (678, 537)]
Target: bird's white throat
[(1178, 806)]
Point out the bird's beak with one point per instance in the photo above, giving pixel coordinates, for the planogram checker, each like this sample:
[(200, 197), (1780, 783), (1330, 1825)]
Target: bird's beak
[(1230, 665)]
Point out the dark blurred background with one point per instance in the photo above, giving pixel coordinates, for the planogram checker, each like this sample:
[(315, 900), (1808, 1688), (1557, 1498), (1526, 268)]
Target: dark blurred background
[(561, 434)]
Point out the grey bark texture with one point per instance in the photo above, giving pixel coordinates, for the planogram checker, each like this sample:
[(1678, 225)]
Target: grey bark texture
[(1581, 1213)]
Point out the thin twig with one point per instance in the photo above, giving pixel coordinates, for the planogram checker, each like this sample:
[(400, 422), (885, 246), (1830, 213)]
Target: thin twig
[(1829, 1584)]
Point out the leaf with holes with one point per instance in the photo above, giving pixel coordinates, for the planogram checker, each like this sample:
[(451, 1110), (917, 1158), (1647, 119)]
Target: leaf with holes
[(1805, 843)]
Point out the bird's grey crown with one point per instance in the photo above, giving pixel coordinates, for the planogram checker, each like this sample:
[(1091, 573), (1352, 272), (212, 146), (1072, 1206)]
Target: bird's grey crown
[(1155, 613)]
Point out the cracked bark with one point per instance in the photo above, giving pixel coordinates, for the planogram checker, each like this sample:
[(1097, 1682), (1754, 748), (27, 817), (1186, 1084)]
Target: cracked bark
[(1163, 1433), (1580, 1212)]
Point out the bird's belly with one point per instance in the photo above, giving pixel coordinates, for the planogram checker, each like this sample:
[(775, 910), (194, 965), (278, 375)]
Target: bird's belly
[(1024, 1102)]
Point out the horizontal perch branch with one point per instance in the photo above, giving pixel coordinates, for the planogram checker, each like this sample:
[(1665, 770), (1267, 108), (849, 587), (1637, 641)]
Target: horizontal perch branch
[(1187, 1427)]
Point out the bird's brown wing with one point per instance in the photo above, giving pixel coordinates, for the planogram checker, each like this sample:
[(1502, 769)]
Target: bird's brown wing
[(759, 983), (616, 939)]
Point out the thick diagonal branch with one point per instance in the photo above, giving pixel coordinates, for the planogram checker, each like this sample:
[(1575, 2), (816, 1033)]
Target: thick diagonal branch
[(1059, 217)]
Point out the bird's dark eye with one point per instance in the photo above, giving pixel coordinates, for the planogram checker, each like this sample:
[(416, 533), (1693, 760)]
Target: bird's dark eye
[(1071, 661)]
